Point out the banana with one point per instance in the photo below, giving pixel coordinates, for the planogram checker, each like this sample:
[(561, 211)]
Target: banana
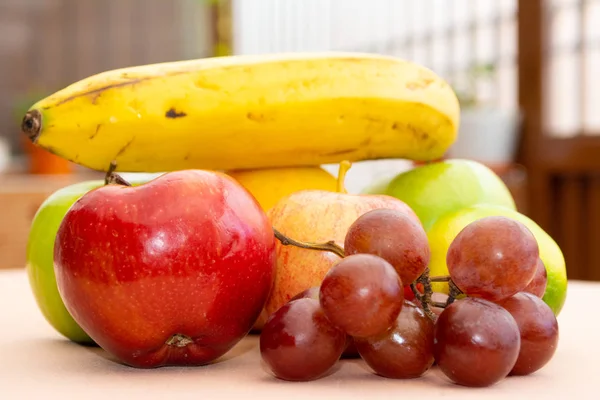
[(248, 112)]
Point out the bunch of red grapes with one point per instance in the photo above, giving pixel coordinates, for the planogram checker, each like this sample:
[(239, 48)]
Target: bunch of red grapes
[(492, 325)]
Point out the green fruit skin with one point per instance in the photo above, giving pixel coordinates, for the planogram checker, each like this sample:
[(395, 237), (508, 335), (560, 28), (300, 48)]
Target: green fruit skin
[(438, 188), (449, 225), (40, 258)]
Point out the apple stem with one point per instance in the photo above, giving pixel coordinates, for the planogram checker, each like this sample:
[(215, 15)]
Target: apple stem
[(443, 278), (330, 246), (112, 177), (342, 171)]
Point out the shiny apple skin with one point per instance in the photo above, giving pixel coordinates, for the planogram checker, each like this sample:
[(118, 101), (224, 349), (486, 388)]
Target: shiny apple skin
[(189, 253)]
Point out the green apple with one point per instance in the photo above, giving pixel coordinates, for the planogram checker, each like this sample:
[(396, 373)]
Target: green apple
[(445, 229), (437, 188), (40, 260), (40, 257)]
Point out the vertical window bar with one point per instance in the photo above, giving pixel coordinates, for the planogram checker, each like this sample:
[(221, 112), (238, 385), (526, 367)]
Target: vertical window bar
[(411, 41), (452, 38), (583, 9), (470, 66), (428, 36), (497, 58)]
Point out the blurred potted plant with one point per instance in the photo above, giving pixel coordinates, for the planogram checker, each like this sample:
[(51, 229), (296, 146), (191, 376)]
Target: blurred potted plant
[(487, 133)]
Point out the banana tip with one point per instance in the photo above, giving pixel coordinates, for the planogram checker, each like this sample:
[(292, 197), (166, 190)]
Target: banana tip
[(32, 124)]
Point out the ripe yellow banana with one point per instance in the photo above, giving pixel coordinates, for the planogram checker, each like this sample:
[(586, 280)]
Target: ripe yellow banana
[(245, 112)]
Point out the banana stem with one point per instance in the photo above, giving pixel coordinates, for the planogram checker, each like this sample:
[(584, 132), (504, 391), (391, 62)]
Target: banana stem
[(342, 170), (330, 246)]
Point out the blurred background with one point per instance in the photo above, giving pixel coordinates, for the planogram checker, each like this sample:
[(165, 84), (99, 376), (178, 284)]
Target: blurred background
[(527, 73)]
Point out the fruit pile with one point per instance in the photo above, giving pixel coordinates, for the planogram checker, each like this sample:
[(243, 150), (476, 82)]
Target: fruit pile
[(244, 230), (493, 323)]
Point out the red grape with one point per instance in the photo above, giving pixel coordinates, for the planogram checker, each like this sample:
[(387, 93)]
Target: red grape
[(476, 342), (362, 295), (298, 343), (393, 236), (313, 293), (537, 286), (404, 351), (538, 328), (493, 258)]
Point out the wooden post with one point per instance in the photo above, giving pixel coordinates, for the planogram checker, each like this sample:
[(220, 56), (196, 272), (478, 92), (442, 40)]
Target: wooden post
[(222, 27), (530, 48)]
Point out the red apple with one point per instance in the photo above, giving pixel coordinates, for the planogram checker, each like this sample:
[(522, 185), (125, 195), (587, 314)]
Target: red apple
[(173, 272), (315, 216)]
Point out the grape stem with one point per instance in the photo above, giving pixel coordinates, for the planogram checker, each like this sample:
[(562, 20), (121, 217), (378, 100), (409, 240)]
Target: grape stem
[(453, 292), (330, 246), (416, 292), (424, 298)]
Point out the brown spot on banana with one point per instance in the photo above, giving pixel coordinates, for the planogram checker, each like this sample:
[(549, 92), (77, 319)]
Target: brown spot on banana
[(96, 132), (120, 153), (95, 97), (173, 114), (259, 117), (340, 152), (97, 92)]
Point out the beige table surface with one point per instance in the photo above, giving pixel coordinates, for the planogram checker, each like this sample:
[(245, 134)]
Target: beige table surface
[(37, 363)]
